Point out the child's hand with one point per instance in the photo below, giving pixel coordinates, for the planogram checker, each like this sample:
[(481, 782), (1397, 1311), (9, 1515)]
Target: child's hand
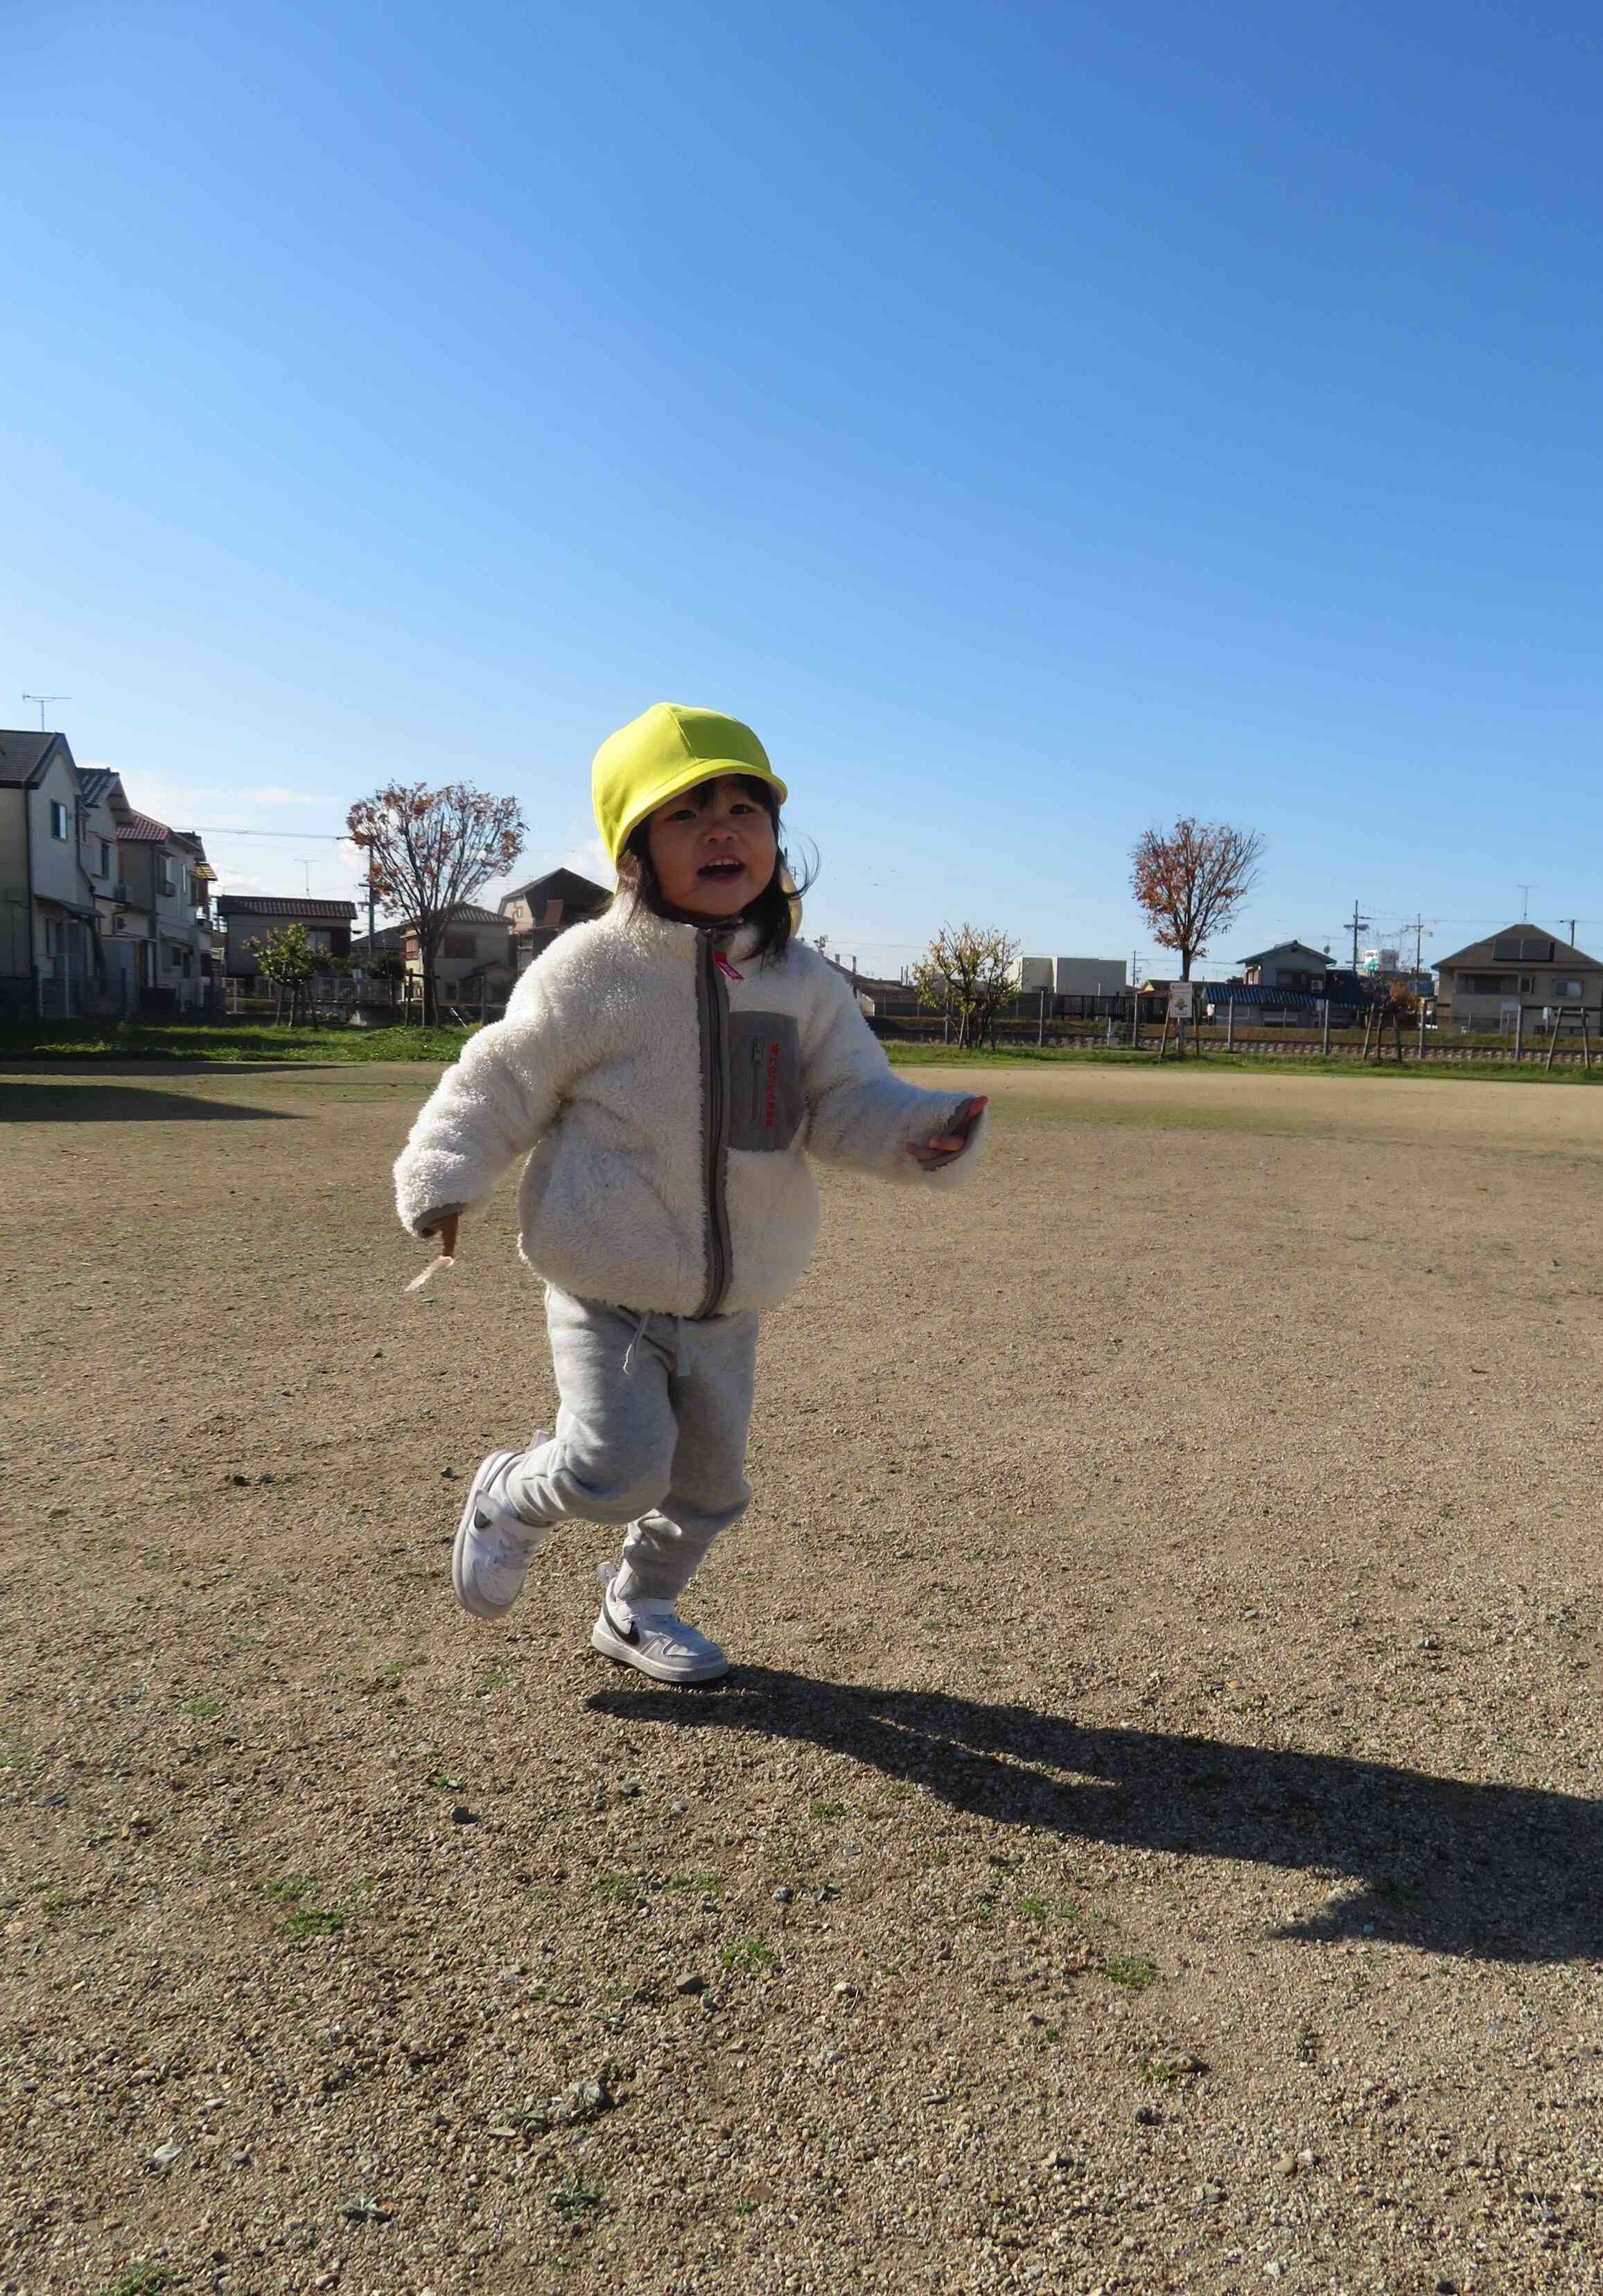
[(444, 1225), (445, 1228), (941, 1147)]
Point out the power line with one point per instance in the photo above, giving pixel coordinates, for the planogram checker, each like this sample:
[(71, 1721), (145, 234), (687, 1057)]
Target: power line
[(306, 836)]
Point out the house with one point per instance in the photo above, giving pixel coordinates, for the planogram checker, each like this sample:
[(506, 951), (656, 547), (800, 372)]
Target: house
[(102, 908), (47, 918), (1523, 973), (380, 953), (1289, 964), (163, 887), (475, 953), (246, 917), (546, 905)]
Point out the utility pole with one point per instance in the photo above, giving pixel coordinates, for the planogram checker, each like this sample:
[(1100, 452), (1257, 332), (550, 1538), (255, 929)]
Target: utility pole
[(1573, 922), (42, 699), (1360, 924)]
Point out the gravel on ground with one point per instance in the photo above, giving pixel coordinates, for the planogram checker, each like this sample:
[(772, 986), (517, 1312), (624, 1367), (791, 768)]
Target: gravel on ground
[(1150, 1839)]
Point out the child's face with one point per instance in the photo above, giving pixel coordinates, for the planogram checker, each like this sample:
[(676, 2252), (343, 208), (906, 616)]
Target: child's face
[(714, 849)]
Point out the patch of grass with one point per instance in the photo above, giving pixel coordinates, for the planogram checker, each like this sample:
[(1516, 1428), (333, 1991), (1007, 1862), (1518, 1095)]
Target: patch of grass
[(442, 1784), (314, 1921), (1133, 1971), (700, 1885), (827, 1810), (304, 1921), (617, 1888), (495, 1681), (1488, 1070), (222, 1040), (204, 1710), (288, 1889), (57, 1901), (1048, 1909), (573, 2199), (747, 1956), (142, 2280)]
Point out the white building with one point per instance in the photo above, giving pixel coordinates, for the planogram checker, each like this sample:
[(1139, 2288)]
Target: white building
[(1070, 976)]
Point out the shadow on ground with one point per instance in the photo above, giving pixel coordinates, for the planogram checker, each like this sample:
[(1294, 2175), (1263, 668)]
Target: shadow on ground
[(124, 1104), (1497, 1873)]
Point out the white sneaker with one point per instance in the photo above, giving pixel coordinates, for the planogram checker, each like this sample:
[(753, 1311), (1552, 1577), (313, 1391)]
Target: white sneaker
[(490, 1560), (653, 1637)]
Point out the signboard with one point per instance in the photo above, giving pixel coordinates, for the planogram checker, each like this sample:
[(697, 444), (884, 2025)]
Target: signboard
[(1182, 995)]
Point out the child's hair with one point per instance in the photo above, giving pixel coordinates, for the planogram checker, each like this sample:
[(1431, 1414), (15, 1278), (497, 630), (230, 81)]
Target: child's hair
[(771, 913)]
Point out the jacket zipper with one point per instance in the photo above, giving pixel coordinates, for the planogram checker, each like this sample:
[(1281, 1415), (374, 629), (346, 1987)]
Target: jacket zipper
[(713, 999)]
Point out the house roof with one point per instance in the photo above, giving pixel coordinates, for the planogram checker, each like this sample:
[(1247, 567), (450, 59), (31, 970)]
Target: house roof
[(1521, 944), (25, 757), (141, 829), (465, 912), (277, 905), (98, 782), (1283, 948), (1285, 1000), (560, 884)]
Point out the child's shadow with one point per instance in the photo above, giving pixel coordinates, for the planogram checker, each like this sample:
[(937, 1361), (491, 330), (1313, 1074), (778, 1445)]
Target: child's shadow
[(1503, 1873)]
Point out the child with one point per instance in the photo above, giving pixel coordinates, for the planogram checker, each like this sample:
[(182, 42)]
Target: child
[(667, 1064)]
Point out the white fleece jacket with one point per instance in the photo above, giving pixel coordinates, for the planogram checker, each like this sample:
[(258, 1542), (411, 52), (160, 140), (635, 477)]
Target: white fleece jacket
[(667, 1107)]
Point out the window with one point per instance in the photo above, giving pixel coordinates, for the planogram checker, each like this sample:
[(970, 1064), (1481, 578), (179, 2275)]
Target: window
[(460, 944), (167, 881), (1568, 992), (105, 857), (1488, 984), (59, 823), (175, 955)]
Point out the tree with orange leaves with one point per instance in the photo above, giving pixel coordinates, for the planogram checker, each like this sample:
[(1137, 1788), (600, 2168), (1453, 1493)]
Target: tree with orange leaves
[(428, 851), (1191, 880)]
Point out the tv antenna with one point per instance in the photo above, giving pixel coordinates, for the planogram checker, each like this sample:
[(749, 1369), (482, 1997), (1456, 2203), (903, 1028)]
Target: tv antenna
[(42, 699), (1524, 902)]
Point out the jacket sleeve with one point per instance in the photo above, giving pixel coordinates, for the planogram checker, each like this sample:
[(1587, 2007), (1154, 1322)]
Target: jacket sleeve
[(859, 1113), (491, 1105)]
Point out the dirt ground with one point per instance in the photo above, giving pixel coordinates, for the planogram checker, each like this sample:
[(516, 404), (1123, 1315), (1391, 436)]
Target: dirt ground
[(1150, 1839)]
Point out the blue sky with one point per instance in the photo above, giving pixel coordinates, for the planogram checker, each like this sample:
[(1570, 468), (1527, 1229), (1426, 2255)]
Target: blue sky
[(1038, 421)]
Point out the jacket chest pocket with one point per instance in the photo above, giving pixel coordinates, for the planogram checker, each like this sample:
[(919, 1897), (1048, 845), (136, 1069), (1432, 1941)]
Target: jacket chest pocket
[(765, 1080)]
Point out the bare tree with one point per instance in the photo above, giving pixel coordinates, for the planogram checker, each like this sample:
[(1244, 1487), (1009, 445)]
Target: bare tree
[(966, 970), (1191, 880), (429, 851)]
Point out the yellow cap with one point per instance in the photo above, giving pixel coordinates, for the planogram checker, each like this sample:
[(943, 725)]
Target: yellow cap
[(661, 754)]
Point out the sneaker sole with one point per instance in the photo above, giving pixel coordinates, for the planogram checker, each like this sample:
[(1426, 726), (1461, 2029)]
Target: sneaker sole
[(613, 1646), (474, 1604)]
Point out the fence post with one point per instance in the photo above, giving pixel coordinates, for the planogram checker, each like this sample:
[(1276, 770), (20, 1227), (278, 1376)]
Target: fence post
[(1325, 1026), (1422, 1028), (1041, 1025), (1519, 1034), (1229, 1025)]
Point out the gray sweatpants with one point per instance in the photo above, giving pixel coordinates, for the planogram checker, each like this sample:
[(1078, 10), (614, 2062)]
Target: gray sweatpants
[(651, 1432)]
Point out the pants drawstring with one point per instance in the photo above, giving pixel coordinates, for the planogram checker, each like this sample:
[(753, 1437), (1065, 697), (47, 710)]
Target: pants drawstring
[(638, 1334)]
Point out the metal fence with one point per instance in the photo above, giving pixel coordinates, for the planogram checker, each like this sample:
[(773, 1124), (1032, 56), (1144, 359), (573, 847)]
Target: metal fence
[(23, 997)]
